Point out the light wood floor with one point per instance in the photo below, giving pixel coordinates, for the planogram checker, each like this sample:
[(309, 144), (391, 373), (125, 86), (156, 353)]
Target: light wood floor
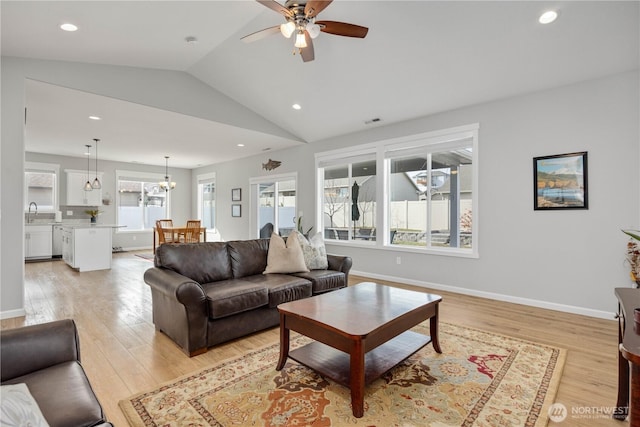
[(123, 354)]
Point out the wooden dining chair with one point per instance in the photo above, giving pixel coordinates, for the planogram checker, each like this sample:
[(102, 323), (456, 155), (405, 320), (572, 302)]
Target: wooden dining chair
[(192, 231), (163, 228)]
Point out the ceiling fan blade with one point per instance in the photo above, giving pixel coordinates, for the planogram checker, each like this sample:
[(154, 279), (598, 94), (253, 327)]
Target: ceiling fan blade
[(343, 29), (307, 53), (274, 5), (314, 7), (258, 35)]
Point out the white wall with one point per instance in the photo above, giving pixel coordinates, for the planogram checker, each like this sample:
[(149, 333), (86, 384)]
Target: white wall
[(567, 260)]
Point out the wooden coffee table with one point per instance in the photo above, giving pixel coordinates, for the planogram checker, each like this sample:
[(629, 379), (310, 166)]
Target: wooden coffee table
[(360, 333)]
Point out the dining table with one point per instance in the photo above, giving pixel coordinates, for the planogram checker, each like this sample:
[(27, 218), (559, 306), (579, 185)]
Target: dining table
[(176, 232)]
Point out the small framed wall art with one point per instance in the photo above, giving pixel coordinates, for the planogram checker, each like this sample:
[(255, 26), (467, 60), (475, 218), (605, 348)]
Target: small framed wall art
[(236, 210), (560, 182), (236, 194)]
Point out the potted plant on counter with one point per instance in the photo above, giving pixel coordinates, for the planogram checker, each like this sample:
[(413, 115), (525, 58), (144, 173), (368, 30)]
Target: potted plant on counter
[(93, 213), (633, 254)]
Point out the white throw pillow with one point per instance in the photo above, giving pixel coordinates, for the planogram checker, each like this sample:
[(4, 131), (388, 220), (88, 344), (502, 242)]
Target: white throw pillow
[(315, 254), (19, 408), (285, 258)]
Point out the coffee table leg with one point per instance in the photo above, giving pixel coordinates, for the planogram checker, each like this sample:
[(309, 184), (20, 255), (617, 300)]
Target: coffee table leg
[(433, 330), (284, 343), (357, 379)]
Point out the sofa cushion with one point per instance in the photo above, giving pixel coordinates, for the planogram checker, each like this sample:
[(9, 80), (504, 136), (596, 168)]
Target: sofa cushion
[(202, 262), (282, 287), (234, 296), (72, 404), (285, 257), (324, 280), (314, 252), (248, 257), (19, 408)]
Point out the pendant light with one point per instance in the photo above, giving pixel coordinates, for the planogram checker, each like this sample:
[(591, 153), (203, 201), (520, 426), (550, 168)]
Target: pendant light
[(96, 182), (167, 185), (87, 185)]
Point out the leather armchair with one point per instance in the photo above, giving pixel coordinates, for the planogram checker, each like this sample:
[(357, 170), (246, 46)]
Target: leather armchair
[(46, 357)]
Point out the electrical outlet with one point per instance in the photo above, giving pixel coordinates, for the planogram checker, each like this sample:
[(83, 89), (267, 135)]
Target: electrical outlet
[(134, 237), (69, 213), (398, 260)]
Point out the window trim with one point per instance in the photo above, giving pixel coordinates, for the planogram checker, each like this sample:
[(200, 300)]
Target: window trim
[(206, 178), (43, 167), (437, 140), (255, 206), (143, 176)]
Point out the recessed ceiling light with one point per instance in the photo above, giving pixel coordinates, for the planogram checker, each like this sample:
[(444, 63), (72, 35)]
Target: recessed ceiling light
[(296, 107), (548, 17), (95, 118), (240, 145), (68, 27)]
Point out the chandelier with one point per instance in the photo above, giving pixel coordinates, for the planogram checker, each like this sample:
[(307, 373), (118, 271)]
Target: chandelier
[(167, 185)]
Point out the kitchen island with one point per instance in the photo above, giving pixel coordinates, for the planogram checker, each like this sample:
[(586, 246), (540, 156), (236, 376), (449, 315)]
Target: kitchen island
[(87, 247)]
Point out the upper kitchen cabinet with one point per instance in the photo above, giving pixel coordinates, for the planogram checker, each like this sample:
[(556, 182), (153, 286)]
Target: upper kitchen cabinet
[(76, 195)]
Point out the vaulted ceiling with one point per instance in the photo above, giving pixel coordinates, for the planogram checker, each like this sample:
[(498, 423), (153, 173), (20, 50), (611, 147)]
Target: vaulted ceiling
[(419, 58)]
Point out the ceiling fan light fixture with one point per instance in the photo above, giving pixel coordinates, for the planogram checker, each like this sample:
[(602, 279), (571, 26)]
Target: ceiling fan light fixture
[(313, 30), (287, 29), (301, 42)]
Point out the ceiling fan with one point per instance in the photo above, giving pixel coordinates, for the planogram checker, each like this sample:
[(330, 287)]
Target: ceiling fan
[(301, 20)]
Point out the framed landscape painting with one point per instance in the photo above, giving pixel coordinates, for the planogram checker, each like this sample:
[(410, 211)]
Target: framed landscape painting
[(560, 182)]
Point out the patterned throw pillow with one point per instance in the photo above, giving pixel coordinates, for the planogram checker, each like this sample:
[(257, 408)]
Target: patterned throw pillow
[(19, 408), (315, 254), (285, 258)]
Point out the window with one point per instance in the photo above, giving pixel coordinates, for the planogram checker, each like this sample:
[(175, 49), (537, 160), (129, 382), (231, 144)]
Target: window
[(349, 199), (430, 197), (41, 186), (276, 203), (140, 200), (425, 199), (207, 200)]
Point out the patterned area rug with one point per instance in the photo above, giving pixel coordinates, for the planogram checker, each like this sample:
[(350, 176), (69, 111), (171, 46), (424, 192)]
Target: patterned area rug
[(480, 379)]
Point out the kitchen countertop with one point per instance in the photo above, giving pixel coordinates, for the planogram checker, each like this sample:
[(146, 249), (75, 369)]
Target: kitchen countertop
[(89, 225)]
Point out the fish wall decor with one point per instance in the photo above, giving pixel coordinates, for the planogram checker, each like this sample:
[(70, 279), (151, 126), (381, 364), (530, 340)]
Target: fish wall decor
[(271, 164)]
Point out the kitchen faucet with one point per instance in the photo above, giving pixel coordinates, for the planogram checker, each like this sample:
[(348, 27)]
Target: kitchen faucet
[(29, 214)]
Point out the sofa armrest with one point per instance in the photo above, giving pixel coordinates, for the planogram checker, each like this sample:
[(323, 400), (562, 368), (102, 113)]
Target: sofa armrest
[(340, 263), (187, 291), (32, 348)]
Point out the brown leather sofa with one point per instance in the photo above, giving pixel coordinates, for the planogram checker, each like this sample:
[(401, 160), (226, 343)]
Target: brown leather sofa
[(46, 357), (204, 294)]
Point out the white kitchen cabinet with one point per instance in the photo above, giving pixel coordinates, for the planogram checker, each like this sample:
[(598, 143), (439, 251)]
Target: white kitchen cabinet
[(37, 241), (87, 248), (76, 196)]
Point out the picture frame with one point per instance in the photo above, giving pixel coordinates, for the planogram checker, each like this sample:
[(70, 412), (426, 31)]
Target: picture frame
[(236, 194), (236, 211), (560, 182)]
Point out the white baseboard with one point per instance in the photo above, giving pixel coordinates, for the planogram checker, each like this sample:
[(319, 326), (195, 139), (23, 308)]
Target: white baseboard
[(10, 314), (490, 295), (137, 248)]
